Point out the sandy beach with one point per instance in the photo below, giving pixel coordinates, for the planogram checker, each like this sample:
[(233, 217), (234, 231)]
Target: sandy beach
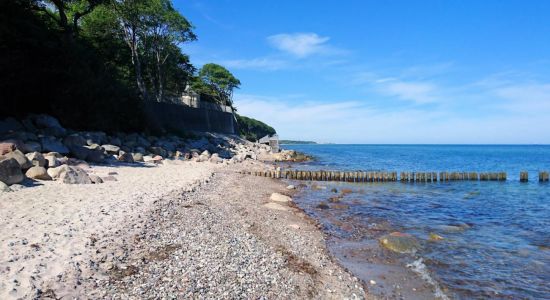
[(177, 230)]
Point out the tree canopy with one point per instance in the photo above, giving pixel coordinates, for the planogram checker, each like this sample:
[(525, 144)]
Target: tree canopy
[(92, 63)]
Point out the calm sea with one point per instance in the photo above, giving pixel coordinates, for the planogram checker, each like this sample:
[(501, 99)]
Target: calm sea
[(496, 235)]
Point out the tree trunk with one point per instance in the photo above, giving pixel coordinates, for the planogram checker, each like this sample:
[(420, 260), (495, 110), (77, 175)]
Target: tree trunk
[(160, 91), (139, 78)]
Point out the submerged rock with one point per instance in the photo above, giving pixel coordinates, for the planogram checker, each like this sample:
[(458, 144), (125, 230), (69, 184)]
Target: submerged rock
[(435, 237), (399, 242), (323, 205)]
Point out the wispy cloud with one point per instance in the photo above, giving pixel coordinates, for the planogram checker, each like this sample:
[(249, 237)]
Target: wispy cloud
[(301, 44), (419, 92), (356, 122), (264, 63)]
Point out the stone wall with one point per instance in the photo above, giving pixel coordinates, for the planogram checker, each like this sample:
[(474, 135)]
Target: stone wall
[(181, 117)]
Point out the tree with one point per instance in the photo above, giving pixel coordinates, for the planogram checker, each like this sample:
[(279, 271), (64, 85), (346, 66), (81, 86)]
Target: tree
[(68, 13), (164, 28), (152, 26), (221, 81)]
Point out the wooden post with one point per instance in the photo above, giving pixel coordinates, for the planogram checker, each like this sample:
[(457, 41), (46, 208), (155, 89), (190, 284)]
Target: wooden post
[(523, 176), (543, 176)]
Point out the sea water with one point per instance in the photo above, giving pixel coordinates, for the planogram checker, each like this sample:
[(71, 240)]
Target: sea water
[(495, 235)]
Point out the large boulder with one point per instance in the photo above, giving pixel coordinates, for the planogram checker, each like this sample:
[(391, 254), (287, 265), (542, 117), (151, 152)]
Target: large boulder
[(50, 144), (79, 152), (399, 242), (125, 157), (4, 187), (10, 171), (10, 125), (74, 140), (37, 172), (111, 149), (46, 121), (216, 159), (70, 175), (158, 151), (32, 146), (21, 159), (36, 159), (95, 155)]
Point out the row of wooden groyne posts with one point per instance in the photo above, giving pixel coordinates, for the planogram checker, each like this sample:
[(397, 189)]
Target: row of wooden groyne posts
[(360, 176)]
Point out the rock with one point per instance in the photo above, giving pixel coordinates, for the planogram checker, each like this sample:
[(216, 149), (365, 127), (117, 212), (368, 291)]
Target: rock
[(79, 152), (45, 121), (54, 172), (74, 140), (435, 237), (323, 205), (10, 125), (452, 228), (111, 149), (95, 179), (7, 147), (137, 156), (158, 151), (4, 187), (39, 173), (50, 144), (36, 159), (399, 242), (280, 198), (334, 190), (157, 159), (290, 187), (95, 155), (275, 206), (115, 141), (21, 159), (10, 171), (109, 178), (74, 175), (334, 199), (125, 157), (206, 153), (216, 159), (32, 146), (52, 161)]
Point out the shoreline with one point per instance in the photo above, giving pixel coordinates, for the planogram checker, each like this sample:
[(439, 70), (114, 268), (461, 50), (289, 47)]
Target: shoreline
[(205, 224)]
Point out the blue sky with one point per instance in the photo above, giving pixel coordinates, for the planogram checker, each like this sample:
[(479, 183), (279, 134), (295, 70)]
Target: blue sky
[(384, 71)]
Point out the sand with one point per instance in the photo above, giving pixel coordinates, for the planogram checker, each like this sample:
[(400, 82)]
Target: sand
[(179, 230)]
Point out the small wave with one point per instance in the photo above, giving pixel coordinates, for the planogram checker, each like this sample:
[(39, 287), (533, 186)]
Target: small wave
[(419, 267)]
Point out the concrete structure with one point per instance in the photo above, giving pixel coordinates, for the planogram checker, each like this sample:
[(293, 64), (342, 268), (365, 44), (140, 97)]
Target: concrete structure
[(272, 141)]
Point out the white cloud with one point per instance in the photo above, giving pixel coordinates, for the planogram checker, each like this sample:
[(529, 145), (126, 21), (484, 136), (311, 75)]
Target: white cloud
[(257, 63), (300, 44), (419, 92), (355, 122)]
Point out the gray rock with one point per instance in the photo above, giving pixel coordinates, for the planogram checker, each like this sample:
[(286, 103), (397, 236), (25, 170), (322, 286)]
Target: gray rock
[(39, 173), (46, 121), (32, 146), (50, 144), (125, 157), (74, 140), (95, 155), (115, 141), (215, 159), (54, 172), (21, 159), (36, 159), (74, 175), (10, 171), (109, 178), (111, 149), (4, 187), (55, 131), (79, 152), (137, 156), (158, 151), (10, 125), (95, 179)]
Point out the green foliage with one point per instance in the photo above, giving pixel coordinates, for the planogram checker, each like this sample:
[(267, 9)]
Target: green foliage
[(218, 82), (252, 129)]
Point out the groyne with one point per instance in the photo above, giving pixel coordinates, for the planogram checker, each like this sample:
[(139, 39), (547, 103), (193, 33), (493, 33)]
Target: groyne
[(362, 176)]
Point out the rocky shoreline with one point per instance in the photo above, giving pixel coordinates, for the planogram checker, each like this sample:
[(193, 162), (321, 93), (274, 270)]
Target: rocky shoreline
[(179, 225)]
